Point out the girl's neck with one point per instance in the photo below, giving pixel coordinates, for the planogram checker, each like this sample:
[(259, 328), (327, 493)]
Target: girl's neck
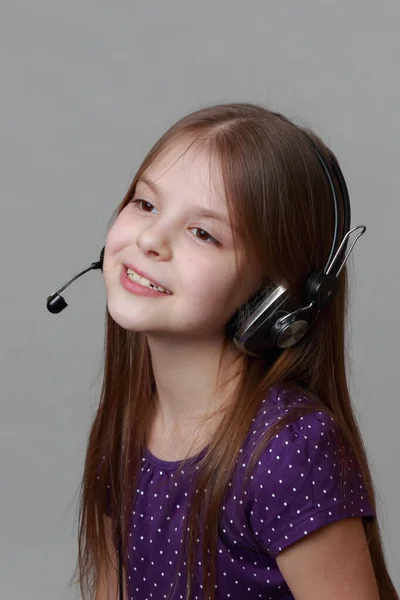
[(186, 377)]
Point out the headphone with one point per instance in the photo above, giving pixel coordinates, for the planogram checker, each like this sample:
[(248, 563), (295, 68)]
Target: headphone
[(272, 318)]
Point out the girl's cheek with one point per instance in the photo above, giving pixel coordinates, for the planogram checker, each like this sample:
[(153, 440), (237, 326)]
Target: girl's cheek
[(119, 236), (111, 242)]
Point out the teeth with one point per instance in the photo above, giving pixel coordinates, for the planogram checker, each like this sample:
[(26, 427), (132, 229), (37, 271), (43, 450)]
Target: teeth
[(145, 282)]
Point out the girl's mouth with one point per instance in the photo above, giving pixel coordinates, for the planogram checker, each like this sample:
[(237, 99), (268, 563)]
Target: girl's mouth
[(133, 276)]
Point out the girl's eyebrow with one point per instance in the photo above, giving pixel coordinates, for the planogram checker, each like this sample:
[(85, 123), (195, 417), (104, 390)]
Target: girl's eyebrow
[(197, 211)]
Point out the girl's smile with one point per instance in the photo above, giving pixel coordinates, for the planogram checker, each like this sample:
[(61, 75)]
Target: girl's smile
[(138, 285)]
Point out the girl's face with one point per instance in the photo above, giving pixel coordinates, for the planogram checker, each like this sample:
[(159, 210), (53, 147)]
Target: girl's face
[(166, 233)]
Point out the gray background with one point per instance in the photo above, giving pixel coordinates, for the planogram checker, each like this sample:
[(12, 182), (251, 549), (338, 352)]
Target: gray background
[(86, 88)]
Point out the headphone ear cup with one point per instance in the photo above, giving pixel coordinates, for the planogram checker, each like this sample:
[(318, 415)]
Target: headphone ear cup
[(245, 311), (271, 319), (256, 327)]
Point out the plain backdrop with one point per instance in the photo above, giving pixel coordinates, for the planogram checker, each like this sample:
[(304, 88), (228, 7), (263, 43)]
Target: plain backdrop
[(86, 88)]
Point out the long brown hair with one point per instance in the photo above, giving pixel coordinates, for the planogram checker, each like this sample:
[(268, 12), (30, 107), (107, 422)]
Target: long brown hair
[(281, 205)]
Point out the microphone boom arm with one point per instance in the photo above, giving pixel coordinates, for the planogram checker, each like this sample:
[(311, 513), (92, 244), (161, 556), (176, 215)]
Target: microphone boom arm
[(56, 303)]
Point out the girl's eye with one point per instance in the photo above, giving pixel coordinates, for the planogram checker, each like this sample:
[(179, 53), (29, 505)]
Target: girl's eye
[(204, 236), (140, 202)]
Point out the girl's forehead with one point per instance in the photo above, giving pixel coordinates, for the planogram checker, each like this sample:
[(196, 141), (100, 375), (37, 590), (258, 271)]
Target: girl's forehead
[(189, 164)]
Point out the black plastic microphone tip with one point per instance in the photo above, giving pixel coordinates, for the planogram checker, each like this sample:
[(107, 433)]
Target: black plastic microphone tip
[(56, 303)]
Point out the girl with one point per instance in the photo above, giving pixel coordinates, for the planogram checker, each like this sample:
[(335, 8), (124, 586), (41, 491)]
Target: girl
[(211, 471)]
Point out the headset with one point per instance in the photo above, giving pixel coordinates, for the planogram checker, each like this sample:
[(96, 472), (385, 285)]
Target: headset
[(272, 318)]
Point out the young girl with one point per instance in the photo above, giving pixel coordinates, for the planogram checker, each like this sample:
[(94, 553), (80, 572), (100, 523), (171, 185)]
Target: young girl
[(213, 471)]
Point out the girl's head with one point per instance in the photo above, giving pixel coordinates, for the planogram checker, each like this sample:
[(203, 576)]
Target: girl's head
[(230, 199)]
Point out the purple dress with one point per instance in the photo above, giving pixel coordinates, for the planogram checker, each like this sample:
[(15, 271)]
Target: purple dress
[(293, 491)]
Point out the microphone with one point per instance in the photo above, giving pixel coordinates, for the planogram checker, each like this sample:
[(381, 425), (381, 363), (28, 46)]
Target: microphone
[(55, 302)]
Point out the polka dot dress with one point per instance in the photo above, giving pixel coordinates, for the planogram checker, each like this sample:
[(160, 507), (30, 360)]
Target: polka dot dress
[(295, 489)]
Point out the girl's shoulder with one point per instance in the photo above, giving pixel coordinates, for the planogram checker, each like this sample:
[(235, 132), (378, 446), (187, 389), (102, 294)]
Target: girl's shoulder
[(304, 477), (306, 438)]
